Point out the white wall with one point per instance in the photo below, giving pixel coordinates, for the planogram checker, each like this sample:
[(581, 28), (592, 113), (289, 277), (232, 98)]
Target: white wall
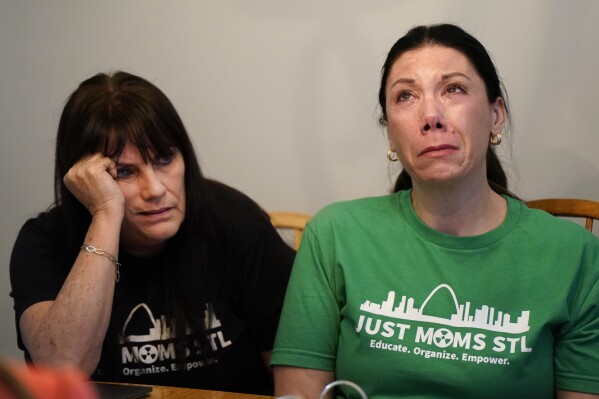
[(280, 96)]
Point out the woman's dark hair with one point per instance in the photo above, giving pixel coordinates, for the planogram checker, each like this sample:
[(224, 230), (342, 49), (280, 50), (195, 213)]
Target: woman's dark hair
[(454, 37), (102, 115)]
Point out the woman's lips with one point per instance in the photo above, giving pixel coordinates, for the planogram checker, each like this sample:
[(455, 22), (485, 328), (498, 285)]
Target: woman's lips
[(438, 150), (155, 213)]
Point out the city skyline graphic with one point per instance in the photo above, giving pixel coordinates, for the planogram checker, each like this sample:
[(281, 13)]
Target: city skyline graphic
[(159, 329), (485, 317)]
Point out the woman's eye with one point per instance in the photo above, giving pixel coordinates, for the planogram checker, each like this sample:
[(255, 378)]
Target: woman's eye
[(122, 173), (404, 96), (162, 161), (455, 89)]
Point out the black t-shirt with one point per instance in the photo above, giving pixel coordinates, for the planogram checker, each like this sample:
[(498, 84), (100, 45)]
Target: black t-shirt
[(140, 344)]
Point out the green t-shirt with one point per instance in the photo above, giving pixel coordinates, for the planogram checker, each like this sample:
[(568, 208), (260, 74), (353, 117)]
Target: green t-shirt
[(402, 310)]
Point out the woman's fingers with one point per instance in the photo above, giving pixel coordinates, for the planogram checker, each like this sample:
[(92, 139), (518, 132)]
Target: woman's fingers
[(92, 181)]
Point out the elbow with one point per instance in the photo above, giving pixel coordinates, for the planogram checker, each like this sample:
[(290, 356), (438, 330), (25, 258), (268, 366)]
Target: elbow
[(86, 361)]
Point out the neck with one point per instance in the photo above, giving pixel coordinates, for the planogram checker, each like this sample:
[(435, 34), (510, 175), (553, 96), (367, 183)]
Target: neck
[(458, 211)]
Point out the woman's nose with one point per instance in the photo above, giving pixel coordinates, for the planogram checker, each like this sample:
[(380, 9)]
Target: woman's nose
[(152, 186), (432, 117)]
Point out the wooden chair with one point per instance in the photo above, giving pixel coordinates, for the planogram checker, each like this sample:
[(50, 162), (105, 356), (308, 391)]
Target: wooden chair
[(569, 207), (290, 221)]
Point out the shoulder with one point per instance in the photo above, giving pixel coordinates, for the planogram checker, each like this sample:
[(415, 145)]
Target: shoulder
[(548, 224), (230, 203), (368, 211), (42, 235), (227, 197), (40, 257), (48, 223), (361, 207), (236, 214), (244, 237), (551, 229)]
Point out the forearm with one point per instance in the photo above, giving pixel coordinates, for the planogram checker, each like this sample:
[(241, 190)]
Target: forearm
[(561, 394), (72, 328), (301, 382)]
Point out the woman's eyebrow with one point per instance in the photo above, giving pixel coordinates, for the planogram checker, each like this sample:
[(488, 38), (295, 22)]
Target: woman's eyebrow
[(118, 162), (454, 74), (402, 80), (443, 77)]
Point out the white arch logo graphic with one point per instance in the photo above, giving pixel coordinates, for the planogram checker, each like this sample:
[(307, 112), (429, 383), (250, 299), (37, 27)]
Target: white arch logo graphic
[(433, 292), (486, 317), (158, 331)]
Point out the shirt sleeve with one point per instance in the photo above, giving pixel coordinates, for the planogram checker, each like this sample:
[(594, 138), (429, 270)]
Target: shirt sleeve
[(38, 265), (577, 342), (308, 332)]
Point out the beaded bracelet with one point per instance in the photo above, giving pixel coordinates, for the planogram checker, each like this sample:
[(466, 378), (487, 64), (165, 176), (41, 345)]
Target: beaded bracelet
[(113, 259)]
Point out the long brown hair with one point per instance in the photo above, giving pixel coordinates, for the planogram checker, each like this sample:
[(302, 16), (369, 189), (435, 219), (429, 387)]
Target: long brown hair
[(102, 115)]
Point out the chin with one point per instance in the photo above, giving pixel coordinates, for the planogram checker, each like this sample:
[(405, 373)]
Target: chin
[(164, 233), (442, 176), (438, 178)]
